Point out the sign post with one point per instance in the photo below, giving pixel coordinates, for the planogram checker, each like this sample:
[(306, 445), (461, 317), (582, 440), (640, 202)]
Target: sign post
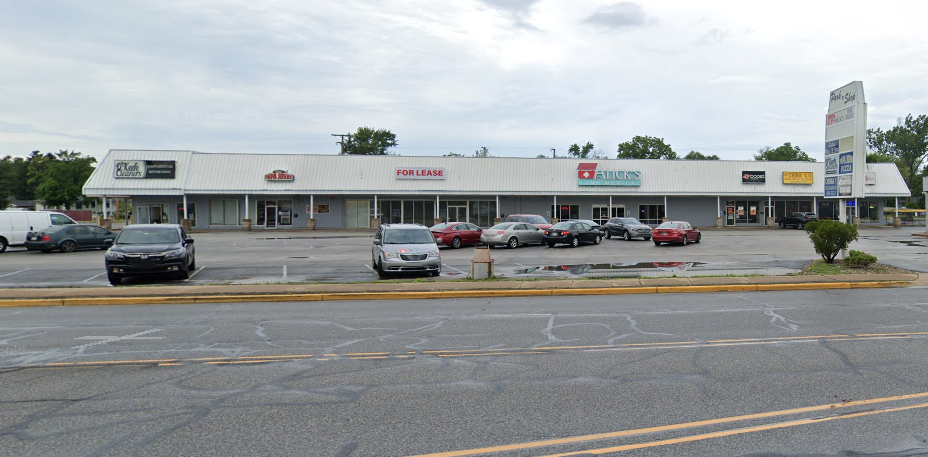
[(845, 146)]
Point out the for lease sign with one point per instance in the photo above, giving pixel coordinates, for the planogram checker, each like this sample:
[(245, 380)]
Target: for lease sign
[(419, 173)]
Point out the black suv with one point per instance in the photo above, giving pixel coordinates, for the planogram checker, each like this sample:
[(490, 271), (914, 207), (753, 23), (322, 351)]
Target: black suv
[(148, 249), (798, 220)]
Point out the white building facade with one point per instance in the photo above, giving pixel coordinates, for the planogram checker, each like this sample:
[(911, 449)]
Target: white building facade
[(300, 191)]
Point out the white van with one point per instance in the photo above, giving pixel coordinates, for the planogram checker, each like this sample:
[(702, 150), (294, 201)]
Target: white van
[(14, 225)]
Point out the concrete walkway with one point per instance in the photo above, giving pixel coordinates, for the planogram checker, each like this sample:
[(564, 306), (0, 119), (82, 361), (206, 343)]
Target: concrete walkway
[(438, 288)]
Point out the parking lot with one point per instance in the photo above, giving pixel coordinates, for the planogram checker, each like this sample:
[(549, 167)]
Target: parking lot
[(238, 257)]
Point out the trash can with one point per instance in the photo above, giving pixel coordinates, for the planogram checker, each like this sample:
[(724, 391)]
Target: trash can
[(481, 267)]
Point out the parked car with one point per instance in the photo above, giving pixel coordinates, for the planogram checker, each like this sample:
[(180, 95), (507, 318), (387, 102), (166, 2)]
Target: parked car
[(627, 228), (798, 220), (676, 232), (456, 234), (572, 233), (533, 219), (402, 248), (150, 249), (591, 223), (15, 224), (69, 238), (512, 234)]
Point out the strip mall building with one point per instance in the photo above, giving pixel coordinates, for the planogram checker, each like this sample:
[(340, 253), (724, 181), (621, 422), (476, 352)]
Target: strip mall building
[(304, 191)]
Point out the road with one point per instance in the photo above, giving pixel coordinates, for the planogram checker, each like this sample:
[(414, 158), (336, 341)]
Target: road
[(811, 373), (286, 257)]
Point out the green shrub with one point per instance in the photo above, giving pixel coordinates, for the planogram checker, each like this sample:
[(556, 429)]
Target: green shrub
[(830, 237), (859, 259)]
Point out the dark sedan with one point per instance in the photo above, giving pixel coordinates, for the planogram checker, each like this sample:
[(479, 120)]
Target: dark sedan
[(69, 238), (150, 249), (627, 228), (798, 220), (571, 233), (591, 223), (676, 232)]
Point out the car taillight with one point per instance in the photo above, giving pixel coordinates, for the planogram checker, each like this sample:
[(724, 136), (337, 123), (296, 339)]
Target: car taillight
[(46, 238), (565, 233), (546, 232), (500, 232)]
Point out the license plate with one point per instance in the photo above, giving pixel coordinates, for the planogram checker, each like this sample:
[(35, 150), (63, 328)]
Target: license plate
[(34, 238)]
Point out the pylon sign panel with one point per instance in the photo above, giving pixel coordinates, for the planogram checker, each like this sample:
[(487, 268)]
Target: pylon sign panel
[(846, 142)]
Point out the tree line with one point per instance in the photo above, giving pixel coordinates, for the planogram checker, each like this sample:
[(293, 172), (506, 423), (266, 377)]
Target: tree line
[(55, 179)]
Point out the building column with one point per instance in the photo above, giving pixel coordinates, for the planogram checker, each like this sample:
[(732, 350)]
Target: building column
[(497, 218), (185, 223), (555, 212), (769, 212), (610, 207), (106, 222), (375, 221), (718, 211), (815, 204), (896, 221), (437, 218), (311, 216), (666, 213)]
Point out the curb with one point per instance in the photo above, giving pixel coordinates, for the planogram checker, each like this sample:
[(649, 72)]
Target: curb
[(312, 297)]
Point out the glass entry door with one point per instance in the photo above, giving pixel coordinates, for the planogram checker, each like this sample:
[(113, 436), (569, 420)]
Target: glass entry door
[(457, 214), (270, 220), (729, 215)]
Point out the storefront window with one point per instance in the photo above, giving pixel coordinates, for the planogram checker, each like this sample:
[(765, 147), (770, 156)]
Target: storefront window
[(191, 212), (223, 212), (564, 212), (651, 214)]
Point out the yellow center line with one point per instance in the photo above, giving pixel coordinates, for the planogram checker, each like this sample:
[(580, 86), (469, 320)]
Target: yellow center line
[(739, 431), (366, 353), (275, 356), (672, 427)]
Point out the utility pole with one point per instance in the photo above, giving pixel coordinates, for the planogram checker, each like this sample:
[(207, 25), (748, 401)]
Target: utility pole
[(554, 153), (342, 144)]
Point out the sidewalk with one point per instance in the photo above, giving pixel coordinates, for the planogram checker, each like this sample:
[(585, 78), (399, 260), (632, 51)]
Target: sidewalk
[(438, 288)]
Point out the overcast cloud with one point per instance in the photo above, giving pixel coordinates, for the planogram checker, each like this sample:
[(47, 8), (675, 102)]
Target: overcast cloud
[(519, 77)]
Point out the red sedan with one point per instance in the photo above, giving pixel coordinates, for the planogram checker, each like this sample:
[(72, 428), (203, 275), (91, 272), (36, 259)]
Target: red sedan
[(675, 232), (456, 234)]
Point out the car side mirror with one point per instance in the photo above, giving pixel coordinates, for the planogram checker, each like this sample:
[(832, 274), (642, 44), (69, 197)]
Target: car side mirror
[(108, 242), (188, 240), (376, 242), (695, 227)]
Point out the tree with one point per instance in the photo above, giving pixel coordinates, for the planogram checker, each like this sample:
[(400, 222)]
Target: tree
[(830, 237), (453, 154), (645, 147), (906, 143), (482, 152), (784, 153), (696, 155), (367, 141), (581, 152), (59, 178)]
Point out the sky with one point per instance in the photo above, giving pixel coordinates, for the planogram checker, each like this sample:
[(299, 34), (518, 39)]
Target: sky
[(520, 77)]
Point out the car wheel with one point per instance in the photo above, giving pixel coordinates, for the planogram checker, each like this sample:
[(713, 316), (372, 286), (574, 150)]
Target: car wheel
[(657, 243), (608, 235), (574, 242), (456, 242), (437, 272), (685, 239), (193, 262), (68, 246), (3, 244), (184, 272), (800, 225), (626, 236), (114, 280), (550, 245), (782, 225), (378, 267), (647, 238), (513, 243), (597, 240), (698, 237)]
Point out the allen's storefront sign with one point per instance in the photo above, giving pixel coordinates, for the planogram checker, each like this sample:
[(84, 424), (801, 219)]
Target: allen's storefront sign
[(753, 177), (798, 177), (144, 169), (420, 173), (279, 175), (589, 175)]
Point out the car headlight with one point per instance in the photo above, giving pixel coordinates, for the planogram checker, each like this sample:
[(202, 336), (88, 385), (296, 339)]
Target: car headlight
[(390, 255), (115, 255), (433, 254), (174, 254)]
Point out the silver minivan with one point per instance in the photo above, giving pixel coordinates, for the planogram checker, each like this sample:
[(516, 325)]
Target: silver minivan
[(405, 248)]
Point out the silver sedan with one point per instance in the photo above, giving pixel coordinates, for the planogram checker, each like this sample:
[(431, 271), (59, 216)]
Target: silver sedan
[(511, 234)]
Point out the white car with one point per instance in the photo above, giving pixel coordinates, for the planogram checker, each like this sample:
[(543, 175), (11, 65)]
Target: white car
[(405, 248), (512, 234)]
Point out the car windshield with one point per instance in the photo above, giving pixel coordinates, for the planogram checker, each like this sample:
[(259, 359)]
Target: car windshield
[(503, 226), (441, 226), (670, 225), (148, 236), (410, 236), (630, 221), (563, 225), (535, 220)]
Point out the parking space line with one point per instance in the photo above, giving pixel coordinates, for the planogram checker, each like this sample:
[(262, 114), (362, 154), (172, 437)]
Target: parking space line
[(369, 268), (13, 273), (285, 271), (94, 277), (195, 273), (455, 269)]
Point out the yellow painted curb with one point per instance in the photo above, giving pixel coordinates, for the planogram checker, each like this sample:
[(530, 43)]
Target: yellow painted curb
[(379, 295), (804, 286), (875, 285), (19, 303), (606, 291), (256, 298), (713, 288), (496, 293)]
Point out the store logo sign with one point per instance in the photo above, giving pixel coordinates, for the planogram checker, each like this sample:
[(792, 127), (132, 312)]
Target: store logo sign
[(753, 177), (278, 175), (144, 169), (589, 175)]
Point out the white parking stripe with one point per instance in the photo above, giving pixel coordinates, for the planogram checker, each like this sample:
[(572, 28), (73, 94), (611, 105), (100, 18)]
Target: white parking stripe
[(285, 271), (94, 277), (13, 273), (369, 267), (195, 273), (455, 269)]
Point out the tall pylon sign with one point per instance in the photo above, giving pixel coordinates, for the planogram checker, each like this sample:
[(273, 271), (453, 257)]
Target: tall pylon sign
[(846, 143)]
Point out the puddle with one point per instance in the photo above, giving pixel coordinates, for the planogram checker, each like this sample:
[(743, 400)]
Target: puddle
[(910, 243), (647, 269)]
